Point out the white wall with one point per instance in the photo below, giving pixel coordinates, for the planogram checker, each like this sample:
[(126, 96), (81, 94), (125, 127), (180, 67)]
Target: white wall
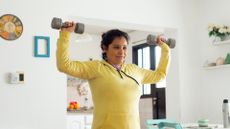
[(215, 83), (202, 91), (189, 62), (40, 102)]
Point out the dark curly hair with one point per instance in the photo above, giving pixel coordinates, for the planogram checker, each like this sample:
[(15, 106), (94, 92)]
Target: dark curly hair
[(109, 36)]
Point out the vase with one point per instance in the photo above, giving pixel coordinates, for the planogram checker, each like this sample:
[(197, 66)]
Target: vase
[(219, 39)]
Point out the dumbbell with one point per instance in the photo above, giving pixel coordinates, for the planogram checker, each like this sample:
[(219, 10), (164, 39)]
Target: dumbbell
[(152, 39), (58, 24)]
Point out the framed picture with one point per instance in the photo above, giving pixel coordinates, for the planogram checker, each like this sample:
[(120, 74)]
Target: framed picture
[(42, 46)]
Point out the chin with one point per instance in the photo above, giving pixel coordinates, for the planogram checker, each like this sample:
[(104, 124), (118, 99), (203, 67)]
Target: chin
[(121, 62)]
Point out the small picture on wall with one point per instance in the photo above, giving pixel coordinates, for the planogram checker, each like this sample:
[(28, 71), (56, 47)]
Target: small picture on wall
[(42, 46)]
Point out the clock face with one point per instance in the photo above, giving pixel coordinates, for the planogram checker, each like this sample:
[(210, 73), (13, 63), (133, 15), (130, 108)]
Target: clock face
[(11, 27)]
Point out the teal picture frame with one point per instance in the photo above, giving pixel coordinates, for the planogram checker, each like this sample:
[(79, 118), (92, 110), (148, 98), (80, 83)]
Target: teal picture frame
[(38, 49)]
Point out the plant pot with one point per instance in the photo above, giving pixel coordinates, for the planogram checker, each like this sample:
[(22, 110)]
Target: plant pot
[(217, 39), (220, 38)]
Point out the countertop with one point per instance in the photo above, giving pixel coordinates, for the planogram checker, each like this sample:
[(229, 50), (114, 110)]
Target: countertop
[(81, 111)]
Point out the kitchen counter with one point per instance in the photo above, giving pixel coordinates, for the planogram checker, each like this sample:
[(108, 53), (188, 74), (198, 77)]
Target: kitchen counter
[(81, 111)]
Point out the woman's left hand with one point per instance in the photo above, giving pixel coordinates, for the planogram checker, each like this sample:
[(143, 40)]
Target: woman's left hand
[(160, 40)]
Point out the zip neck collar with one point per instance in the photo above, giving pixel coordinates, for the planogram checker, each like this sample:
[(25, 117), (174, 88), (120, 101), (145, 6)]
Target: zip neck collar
[(121, 70), (114, 66)]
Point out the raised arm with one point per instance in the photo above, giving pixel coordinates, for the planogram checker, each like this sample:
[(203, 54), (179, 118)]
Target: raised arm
[(153, 76), (84, 70)]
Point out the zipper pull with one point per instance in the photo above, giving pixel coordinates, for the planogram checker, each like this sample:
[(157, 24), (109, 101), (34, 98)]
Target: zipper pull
[(119, 73)]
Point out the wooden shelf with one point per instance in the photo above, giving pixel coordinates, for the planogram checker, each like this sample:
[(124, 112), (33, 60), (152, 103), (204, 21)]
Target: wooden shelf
[(217, 67), (222, 42)]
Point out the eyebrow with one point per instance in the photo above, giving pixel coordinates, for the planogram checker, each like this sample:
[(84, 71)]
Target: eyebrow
[(118, 45)]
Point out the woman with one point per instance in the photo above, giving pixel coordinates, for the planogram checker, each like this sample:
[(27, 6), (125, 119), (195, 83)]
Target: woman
[(115, 86)]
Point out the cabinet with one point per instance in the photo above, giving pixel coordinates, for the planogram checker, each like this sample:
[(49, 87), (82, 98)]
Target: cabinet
[(79, 121), (226, 42)]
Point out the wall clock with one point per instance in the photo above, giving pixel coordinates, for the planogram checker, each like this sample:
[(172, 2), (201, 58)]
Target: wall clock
[(11, 27)]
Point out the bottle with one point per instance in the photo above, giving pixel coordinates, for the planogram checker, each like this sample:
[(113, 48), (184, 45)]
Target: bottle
[(86, 103), (225, 109)]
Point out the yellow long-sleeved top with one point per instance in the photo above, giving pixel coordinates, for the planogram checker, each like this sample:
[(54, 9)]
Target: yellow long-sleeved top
[(115, 93)]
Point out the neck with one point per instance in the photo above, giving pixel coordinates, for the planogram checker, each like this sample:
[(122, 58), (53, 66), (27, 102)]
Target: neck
[(117, 66)]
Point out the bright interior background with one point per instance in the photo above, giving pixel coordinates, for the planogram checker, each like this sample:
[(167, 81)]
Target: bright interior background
[(40, 103)]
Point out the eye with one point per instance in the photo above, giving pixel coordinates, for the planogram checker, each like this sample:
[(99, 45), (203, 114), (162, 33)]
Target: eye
[(124, 48), (116, 47)]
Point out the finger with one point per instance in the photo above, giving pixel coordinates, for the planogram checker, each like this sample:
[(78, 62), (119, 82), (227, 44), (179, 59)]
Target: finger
[(163, 39), (159, 36), (72, 23), (68, 24)]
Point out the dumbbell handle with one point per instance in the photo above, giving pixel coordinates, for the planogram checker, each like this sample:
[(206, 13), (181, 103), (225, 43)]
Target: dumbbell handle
[(152, 39), (65, 25), (58, 24), (76, 30)]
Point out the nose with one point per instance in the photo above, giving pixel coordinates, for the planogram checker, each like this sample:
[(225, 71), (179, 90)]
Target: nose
[(121, 51)]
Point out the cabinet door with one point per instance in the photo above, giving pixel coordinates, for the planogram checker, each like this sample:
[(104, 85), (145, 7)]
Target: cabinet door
[(88, 121), (75, 122), (88, 127)]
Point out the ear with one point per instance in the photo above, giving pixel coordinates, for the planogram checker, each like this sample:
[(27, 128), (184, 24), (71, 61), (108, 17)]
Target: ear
[(104, 48)]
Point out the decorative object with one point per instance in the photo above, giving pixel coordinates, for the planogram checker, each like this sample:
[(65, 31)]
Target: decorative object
[(220, 61), (39, 50), (209, 64), (227, 59), (203, 122), (219, 32), (75, 82), (73, 105), (81, 85), (83, 89), (86, 103), (11, 27)]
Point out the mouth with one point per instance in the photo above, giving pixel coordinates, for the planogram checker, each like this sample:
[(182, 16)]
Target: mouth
[(120, 57)]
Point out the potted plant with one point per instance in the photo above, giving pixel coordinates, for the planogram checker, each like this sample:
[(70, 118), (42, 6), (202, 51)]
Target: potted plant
[(219, 32)]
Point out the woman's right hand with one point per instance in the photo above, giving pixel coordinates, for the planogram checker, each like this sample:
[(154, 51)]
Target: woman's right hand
[(70, 26)]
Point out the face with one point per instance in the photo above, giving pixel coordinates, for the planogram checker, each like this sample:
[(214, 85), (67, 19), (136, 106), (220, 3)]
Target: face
[(117, 50)]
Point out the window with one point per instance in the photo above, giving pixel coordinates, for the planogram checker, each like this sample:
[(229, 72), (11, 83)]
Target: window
[(148, 56)]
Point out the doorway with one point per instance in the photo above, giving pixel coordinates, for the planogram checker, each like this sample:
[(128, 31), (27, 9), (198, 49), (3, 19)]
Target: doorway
[(152, 103)]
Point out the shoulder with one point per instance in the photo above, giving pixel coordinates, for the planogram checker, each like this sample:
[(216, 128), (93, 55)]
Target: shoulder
[(93, 62), (131, 66)]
